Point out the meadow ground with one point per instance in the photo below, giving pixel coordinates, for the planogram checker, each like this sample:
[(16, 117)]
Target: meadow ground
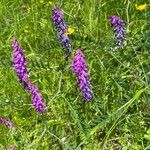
[(118, 117)]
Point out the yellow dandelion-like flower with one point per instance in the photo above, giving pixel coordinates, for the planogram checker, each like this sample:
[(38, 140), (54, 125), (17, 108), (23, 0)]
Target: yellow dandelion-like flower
[(26, 29), (70, 31), (141, 7)]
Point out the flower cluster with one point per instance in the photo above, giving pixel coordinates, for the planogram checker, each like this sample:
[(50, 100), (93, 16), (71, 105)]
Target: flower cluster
[(19, 63), (6, 122), (119, 29), (20, 67), (36, 98), (62, 29), (141, 7), (80, 68)]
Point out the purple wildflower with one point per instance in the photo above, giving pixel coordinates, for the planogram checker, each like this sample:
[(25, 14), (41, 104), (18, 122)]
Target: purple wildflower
[(6, 122), (38, 103), (19, 63), (20, 66), (62, 29), (80, 68), (119, 29)]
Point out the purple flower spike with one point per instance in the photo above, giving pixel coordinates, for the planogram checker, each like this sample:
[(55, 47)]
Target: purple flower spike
[(38, 103), (80, 68), (20, 66), (6, 122), (119, 29), (62, 29), (19, 63)]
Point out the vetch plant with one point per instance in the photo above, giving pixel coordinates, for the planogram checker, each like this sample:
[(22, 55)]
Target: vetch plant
[(20, 67), (6, 122), (80, 68), (19, 63), (36, 98), (119, 29), (62, 30)]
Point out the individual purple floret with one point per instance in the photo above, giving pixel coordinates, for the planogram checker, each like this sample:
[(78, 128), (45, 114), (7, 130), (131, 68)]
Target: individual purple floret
[(80, 68), (38, 103), (6, 122), (119, 29), (19, 63), (62, 28)]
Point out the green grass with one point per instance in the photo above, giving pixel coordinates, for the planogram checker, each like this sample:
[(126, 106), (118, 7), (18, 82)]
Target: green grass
[(118, 117)]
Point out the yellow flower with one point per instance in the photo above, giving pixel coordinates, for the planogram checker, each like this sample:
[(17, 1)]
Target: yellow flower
[(70, 31), (141, 7), (26, 29)]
